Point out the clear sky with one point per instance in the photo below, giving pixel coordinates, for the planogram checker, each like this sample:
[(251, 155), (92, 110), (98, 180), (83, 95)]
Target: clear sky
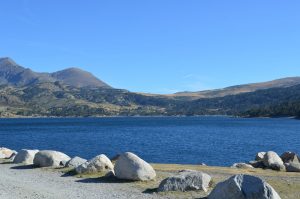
[(158, 46)]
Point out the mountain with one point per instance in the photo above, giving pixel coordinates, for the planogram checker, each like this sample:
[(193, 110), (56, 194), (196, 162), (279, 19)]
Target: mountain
[(15, 75), (273, 102), (78, 78), (234, 90), (57, 99), (77, 93)]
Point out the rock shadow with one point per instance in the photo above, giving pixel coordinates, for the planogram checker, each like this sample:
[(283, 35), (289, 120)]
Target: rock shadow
[(150, 191), (23, 167), (104, 179), (69, 173), (6, 162)]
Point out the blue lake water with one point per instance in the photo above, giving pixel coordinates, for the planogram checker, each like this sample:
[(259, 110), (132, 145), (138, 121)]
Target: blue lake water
[(187, 140)]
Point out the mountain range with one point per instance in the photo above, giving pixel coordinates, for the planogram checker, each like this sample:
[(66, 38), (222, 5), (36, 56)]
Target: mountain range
[(15, 75), (74, 92)]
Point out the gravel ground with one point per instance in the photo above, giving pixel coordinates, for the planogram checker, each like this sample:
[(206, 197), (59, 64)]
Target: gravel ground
[(19, 182)]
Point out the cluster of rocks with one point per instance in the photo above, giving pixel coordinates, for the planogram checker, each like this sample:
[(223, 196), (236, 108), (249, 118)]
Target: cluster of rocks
[(288, 161), (129, 166)]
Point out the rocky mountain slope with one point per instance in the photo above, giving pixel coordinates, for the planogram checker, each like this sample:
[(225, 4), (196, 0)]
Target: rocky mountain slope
[(234, 90), (73, 92), (15, 75)]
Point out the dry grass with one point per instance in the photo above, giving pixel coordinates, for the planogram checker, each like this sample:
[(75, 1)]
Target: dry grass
[(286, 184)]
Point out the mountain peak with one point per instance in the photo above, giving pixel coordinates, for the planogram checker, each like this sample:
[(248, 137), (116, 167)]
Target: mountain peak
[(77, 77), (6, 61), (13, 74)]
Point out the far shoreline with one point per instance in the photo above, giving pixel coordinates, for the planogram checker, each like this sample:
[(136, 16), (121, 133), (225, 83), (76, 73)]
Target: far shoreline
[(147, 116)]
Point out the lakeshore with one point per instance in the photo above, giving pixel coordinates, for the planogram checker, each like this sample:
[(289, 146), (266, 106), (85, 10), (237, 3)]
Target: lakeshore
[(19, 182)]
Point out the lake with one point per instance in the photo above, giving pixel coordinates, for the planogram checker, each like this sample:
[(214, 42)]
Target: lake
[(216, 141)]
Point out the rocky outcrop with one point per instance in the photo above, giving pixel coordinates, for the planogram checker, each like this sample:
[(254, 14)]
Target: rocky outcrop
[(186, 181), (242, 166), (288, 157), (75, 162), (130, 167), (243, 187), (25, 157), (273, 161), (49, 158), (97, 164)]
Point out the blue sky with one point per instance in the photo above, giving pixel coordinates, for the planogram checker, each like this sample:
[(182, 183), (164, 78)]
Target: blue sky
[(158, 46)]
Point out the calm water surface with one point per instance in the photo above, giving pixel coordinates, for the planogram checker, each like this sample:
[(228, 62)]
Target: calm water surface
[(187, 140)]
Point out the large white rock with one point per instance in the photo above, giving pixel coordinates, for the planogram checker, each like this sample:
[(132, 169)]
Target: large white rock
[(243, 187), (186, 181), (6, 153), (97, 164), (48, 158), (75, 162), (273, 161), (130, 167), (25, 157)]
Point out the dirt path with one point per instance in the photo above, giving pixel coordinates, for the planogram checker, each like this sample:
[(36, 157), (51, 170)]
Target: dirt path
[(19, 182)]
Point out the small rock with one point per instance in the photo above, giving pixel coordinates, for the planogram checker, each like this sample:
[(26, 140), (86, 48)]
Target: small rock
[(257, 164), (273, 161), (186, 181), (130, 167), (6, 153), (49, 158), (97, 164), (25, 157), (243, 187), (242, 166), (292, 167), (75, 162)]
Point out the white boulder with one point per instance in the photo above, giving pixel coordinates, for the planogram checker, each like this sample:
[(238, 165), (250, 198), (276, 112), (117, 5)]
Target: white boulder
[(273, 161), (97, 164), (6, 153), (130, 167), (48, 158), (75, 162), (25, 157), (186, 181), (243, 187)]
